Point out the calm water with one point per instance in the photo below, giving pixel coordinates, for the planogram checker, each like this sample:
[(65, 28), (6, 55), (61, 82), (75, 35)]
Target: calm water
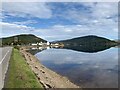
[(88, 70)]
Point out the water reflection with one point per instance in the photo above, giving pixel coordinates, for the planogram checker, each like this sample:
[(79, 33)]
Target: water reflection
[(36, 50), (88, 70), (90, 48), (85, 48)]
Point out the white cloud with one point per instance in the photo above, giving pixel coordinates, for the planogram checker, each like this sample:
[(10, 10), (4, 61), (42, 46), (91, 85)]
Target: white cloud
[(25, 22), (105, 10), (98, 19), (91, 11), (60, 1), (61, 32), (9, 29), (27, 9)]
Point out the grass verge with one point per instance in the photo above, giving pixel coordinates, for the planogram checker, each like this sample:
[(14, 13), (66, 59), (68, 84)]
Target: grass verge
[(20, 74)]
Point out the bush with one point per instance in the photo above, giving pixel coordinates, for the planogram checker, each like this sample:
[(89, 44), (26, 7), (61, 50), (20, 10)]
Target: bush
[(17, 47)]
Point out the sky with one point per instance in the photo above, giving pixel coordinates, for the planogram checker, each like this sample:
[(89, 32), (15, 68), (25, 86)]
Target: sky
[(60, 20)]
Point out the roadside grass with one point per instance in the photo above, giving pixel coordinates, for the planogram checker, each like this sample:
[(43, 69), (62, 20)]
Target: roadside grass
[(20, 74)]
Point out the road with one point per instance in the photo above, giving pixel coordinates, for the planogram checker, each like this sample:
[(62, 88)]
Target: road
[(5, 54)]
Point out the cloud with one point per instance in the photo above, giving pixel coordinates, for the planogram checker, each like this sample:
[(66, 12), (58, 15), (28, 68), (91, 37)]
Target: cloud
[(1, 17), (61, 32), (95, 18), (60, 1), (27, 9), (71, 19), (25, 22), (9, 29), (105, 10), (87, 12), (57, 32)]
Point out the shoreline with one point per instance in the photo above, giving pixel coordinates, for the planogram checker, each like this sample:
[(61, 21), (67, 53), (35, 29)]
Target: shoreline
[(47, 77)]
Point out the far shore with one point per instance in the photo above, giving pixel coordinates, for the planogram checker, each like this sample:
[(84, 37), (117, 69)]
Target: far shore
[(47, 77)]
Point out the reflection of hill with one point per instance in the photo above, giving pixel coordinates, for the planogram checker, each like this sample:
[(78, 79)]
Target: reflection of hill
[(88, 49)]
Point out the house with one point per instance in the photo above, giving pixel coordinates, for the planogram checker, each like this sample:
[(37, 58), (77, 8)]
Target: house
[(41, 43), (48, 43), (34, 44)]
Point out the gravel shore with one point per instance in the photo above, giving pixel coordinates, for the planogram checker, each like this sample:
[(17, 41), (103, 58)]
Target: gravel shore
[(48, 78)]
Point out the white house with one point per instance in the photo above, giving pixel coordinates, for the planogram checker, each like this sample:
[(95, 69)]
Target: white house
[(41, 43), (48, 43), (34, 44)]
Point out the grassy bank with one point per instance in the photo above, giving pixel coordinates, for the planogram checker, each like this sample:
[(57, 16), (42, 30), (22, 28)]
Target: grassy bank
[(20, 74)]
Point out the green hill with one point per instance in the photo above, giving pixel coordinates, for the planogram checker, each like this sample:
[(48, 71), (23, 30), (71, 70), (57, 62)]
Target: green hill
[(88, 43), (87, 40), (23, 39)]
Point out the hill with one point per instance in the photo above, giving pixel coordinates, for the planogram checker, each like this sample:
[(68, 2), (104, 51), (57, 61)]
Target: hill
[(21, 39), (89, 43), (86, 40)]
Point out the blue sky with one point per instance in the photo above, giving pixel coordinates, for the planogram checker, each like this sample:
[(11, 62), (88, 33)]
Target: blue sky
[(60, 20)]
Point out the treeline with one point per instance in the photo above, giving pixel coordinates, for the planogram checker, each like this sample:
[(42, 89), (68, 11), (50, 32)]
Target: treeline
[(21, 40), (88, 41)]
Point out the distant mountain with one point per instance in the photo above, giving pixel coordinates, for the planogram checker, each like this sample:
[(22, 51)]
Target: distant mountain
[(87, 40), (21, 39), (89, 43)]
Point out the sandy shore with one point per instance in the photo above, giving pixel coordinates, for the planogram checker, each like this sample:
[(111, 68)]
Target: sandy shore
[(47, 77)]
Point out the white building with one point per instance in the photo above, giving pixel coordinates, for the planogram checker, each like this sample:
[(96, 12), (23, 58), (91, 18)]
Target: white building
[(48, 43), (41, 43), (34, 44)]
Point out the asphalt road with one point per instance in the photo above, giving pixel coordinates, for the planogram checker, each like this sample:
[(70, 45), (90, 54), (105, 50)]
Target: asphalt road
[(5, 54)]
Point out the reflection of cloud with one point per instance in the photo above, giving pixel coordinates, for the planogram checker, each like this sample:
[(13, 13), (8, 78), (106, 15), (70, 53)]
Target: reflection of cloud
[(89, 69), (68, 58), (59, 62), (104, 60), (80, 62), (116, 57), (96, 66)]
